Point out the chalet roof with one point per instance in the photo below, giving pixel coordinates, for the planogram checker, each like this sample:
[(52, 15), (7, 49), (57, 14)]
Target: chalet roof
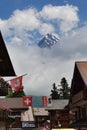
[(40, 112), (79, 80), (82, 67), (6, 68), (58, 104), (12, 103)]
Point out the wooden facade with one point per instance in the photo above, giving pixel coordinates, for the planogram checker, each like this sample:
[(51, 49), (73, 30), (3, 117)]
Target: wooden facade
[(78, 98), (4, 118), (59, 118), (59, 114), (41, 116), (16, 106), (16, 115)]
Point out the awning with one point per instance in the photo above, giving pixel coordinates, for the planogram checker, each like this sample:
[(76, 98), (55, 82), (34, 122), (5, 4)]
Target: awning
[(79, 124)]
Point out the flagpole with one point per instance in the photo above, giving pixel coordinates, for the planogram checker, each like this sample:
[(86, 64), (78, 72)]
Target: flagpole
[(17, 77), (24, 75)]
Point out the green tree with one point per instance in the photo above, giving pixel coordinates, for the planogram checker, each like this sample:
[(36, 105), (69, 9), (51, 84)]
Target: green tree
[(54, 92), (4, 87), (64, 89), (19, 93), (7, 91)]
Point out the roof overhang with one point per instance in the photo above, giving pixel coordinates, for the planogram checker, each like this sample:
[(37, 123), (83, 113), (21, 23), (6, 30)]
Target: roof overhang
[(6, 68)]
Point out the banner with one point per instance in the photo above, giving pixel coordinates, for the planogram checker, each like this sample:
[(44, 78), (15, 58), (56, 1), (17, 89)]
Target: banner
[(44, 101), (27, 101), (35, 101), (16, 83)]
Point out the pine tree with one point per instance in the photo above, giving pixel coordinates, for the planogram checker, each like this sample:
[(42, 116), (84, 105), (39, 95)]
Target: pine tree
[(54, 92), (4, 87), (64, 89)]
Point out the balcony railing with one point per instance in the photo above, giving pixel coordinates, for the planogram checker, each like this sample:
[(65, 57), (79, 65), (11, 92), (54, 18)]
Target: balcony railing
[(14, 116)]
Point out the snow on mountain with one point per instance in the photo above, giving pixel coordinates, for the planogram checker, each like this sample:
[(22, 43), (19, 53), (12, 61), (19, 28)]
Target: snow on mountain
[(48, 41)]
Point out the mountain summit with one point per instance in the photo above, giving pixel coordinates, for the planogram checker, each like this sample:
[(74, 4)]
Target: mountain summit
[(48, 40)]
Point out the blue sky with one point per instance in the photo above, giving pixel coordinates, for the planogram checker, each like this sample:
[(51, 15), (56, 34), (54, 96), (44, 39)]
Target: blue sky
[(8, 7), (24, 22)]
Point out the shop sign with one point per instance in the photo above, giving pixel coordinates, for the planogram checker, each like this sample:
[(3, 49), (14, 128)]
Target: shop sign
[(28, 124)]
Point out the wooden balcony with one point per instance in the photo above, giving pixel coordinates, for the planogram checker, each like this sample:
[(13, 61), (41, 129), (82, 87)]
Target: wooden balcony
[(79, 98)]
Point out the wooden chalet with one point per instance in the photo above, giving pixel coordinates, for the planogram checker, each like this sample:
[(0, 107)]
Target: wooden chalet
[(78, 96), (16, 107), (59, 114), (4, 119), (41, 116)]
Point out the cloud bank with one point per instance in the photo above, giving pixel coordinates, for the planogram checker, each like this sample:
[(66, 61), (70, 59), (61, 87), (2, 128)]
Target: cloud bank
[(22, 31)]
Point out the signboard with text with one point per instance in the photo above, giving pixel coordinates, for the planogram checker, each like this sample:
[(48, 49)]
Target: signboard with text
[(28, 124)]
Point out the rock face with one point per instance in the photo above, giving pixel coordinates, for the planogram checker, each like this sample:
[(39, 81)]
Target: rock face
[(48, 41)]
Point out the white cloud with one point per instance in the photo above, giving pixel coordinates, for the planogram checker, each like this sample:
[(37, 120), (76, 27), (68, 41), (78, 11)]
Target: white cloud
[(46, 28), (21, 24), (66, 16), (44, 66), (28, 20), (24, 19)]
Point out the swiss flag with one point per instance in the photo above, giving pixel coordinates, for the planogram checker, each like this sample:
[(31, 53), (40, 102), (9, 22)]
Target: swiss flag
[(44, 101), (27, 101), (16, 83)]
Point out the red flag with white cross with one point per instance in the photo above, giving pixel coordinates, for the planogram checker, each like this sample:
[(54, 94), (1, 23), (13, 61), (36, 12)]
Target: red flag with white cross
[(16, 83), (27, 101)]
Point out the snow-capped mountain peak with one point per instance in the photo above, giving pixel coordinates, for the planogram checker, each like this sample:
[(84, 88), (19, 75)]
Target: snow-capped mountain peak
[(48, 40)]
